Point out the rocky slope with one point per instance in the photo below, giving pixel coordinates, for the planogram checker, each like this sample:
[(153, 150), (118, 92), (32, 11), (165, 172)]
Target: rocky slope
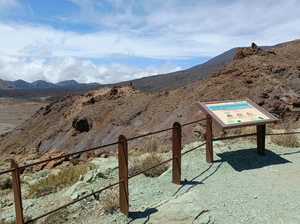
[(99, 117)]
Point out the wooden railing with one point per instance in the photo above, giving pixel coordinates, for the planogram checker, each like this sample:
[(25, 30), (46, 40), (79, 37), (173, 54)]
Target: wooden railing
[(122, 145)]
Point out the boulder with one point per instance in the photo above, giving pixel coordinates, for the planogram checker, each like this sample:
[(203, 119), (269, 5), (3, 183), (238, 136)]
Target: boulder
[(82, 124)]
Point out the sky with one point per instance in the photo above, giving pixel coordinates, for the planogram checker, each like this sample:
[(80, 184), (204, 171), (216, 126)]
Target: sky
[(109, 41)]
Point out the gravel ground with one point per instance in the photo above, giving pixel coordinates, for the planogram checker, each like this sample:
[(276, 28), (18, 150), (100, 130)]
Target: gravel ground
[(239, 187)]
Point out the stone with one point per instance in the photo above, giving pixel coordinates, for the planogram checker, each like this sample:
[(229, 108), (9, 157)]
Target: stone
[(82, 124), (76, 190), (49, 165)]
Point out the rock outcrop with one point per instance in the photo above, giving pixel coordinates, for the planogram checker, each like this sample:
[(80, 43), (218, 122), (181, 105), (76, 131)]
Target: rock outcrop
[(242, 52)]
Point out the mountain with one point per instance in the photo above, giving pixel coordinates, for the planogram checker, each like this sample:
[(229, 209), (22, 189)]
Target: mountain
[(73, 83), (42, 84), (270, 78), (6, 85), (22, 84), (68, 83)]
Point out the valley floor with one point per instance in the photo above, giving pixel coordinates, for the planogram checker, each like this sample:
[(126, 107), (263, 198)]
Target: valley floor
[(15, 112)]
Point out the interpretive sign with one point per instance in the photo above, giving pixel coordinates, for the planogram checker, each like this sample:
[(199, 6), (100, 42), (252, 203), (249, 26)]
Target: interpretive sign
[(236, 113)]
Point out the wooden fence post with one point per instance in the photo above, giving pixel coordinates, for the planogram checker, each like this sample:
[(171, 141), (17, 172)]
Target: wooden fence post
[(123, 175), (17, 192), (209, 144), (176, 153)]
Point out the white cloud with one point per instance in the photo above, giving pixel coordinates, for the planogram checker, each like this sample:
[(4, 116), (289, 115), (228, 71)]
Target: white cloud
[(66, 68), (168, 30), (8, 5)]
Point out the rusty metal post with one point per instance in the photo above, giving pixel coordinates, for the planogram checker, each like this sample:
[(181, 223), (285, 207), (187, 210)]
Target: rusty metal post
[(123, 175), (261, 138), (176, 153), (209, 143), (17, 192)]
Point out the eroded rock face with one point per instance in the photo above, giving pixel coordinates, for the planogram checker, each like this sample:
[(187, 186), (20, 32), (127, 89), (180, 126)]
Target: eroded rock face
[(82, 124)]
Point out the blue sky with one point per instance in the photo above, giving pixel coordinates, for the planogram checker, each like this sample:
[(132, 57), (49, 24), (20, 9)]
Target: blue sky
[(109, 41)]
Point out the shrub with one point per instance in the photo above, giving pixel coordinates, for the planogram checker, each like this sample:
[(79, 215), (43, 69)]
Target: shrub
[(60, 216), (13, 221), (285, 140), (145, 162), (164, 148), (289, 125), (53, 182), (110, 200)]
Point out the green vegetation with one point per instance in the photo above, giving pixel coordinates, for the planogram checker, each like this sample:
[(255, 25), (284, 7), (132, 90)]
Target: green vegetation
[(53, 182)]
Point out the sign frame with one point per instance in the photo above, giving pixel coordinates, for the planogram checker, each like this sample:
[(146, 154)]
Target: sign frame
[(236, 105)]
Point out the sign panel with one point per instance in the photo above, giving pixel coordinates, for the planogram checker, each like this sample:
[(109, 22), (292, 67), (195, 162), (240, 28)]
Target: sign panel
[(236, 113)]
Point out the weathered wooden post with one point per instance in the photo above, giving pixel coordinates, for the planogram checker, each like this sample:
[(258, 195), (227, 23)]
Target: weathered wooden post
[(261, 139), (17, 192), (209, 140), (176, 153), (123, 175)]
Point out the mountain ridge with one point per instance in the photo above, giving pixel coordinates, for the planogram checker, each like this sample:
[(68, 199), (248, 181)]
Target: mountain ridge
[(170, 81), (38, 84)]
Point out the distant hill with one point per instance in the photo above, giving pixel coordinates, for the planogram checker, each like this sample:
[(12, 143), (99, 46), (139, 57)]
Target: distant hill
[(42, 84), (21, 84), (5, 85), (68, 83)]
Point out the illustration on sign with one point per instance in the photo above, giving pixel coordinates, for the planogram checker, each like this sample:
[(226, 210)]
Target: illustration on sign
[(236, 112)]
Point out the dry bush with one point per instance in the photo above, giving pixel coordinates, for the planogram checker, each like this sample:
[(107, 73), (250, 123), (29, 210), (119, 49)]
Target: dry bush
[(53, 182), (286, 140), (60, 216), (164, 149), (26, 219), (150, 146), (110, 200), (289, 125), (145, 162), (252, 129)]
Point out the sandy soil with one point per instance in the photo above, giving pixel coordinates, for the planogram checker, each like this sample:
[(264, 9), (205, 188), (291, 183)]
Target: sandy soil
[(15, 112)]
